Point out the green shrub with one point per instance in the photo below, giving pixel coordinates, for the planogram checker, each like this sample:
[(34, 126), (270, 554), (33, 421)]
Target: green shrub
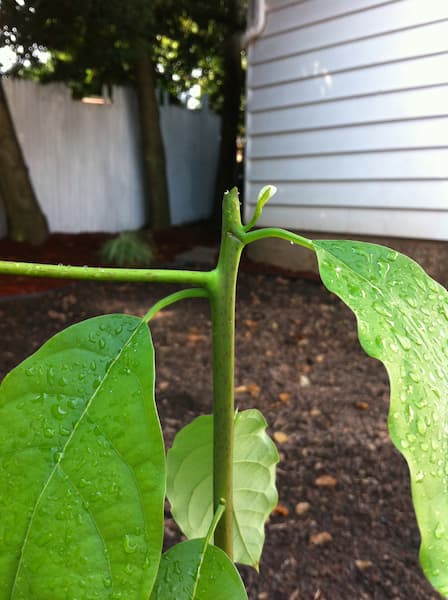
[(128, 249)]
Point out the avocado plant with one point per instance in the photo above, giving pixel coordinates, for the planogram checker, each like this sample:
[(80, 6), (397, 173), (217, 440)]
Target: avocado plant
[(83, 473)]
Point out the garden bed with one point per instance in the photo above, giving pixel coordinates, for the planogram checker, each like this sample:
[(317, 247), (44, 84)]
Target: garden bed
[(344, 528)]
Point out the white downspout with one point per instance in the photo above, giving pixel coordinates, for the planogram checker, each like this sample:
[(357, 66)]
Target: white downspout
[(260, 22)]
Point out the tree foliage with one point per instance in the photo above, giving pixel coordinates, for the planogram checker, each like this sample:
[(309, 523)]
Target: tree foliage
[(95, 45)]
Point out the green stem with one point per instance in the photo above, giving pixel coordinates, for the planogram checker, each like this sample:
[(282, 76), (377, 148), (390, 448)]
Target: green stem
[(222, 297), (172, 298), (198, 278), (270, 232)]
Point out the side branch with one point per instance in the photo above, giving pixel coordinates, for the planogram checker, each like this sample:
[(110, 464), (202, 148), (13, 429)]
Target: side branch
[(274, 232), (172, 298), (194, 278)]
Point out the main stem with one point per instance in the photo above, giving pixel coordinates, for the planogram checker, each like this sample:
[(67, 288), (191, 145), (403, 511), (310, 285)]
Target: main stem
[(222, 290)]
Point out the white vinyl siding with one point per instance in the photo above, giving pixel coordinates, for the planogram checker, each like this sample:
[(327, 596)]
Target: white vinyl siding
[(348, 116)]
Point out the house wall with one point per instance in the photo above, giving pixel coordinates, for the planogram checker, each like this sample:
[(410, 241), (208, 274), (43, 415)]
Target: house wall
[(348, 117), (85, 162)]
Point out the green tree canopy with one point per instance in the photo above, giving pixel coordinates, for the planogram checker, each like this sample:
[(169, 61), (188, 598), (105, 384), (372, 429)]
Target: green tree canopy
[(94, 44)]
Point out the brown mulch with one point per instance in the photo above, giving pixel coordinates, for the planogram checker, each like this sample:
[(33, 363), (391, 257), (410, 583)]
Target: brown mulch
[(344, 528)]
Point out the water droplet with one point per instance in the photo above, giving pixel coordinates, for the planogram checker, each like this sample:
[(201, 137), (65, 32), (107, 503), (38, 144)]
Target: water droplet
[(129, 545), (412, 303), (404, 342), (383, 267), (57, 456), (50, 375), (433, 285), (421, 402), (58, 412), (102, 344), (420, 476), (421, 426), (381, 309), (439, 531), (415, 377)]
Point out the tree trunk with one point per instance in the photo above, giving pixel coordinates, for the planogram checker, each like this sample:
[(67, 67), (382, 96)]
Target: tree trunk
[(227, 175), (154, 161), (26, 222)]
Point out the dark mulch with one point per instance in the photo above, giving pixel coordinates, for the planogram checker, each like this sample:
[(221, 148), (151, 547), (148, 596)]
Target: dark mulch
[(298, 360)]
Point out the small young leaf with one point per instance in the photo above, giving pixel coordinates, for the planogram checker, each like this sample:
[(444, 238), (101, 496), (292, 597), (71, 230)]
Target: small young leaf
[(82, 466), (264, 196), (195, 570), (190, 487), (402, 319)]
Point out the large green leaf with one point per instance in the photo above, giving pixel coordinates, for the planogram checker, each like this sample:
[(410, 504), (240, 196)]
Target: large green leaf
[(190, 487), (403, 321), (82, 471), (195, 570)]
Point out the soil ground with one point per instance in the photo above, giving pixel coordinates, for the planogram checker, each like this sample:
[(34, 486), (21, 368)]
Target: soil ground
[(344, 528)]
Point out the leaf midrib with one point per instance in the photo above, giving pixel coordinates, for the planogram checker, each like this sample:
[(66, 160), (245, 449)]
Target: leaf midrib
[(62, 452)]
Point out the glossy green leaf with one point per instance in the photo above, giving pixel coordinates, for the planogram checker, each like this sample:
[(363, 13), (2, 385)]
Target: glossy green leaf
[(402, 319), (195, 570), (82, 471), (190, 487)]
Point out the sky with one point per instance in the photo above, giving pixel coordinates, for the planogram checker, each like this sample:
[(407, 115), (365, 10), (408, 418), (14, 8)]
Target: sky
[(7, 59)]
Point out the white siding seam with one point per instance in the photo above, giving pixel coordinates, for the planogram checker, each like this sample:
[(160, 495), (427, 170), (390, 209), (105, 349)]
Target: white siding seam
[(346, 42), (349, 152), (344, 98), (347, 70), (273, 9), (346, 180), (345, 125), (327, 19), (356, 206)]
